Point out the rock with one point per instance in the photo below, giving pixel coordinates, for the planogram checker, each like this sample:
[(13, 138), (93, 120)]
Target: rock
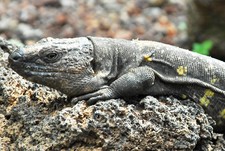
[(28, 14), (7, 24), (68, 3), (27, 32)]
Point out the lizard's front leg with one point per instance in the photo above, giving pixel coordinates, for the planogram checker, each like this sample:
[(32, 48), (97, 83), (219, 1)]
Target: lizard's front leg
[(132, 83)]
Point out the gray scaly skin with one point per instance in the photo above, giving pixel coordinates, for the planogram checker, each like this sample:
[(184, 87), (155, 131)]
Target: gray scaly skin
[(92, 69)]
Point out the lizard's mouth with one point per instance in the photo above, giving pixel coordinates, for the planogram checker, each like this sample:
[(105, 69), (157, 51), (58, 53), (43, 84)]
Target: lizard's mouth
[(58, 78), (29, 70)]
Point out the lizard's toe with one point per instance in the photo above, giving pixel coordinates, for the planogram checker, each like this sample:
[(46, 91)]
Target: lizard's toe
[(93, 100), (74, 100), (104, 94)]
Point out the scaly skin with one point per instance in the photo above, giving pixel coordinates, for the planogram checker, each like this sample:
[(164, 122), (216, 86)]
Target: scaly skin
[(93, 69)]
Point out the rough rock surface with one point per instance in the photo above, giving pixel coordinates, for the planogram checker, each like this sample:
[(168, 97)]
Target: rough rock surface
[(34, 117)]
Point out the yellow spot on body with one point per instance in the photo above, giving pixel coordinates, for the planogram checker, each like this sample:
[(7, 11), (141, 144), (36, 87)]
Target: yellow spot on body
[(181, 70), (214, 80), (147, 58), (204, 101), (222, 113), (209, 93), (183, 96)]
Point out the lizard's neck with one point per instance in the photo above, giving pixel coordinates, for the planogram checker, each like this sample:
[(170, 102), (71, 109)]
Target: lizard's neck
[(113, 57)]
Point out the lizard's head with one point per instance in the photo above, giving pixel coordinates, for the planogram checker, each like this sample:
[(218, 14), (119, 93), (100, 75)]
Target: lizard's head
[(57, 63)]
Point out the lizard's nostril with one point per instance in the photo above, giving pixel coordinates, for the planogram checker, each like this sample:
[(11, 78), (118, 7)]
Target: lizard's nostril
[(17, 55)]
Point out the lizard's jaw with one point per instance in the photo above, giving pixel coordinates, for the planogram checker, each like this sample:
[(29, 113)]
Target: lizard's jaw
[(33, 72), (66, 82)]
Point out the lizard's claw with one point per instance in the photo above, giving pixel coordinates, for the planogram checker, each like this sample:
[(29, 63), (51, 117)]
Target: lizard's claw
[(74, 100), (92, 98)]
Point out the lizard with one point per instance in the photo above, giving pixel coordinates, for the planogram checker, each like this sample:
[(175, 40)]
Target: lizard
[(98, 68)]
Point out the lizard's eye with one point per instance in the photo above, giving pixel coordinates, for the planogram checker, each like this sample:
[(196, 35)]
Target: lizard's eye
[(51, 57)]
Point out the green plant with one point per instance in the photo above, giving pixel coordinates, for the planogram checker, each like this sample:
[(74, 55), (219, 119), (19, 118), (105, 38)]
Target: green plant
[(203, 48)]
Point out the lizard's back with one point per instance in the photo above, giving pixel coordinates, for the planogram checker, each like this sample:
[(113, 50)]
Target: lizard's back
[(200, 77), (180, 63)]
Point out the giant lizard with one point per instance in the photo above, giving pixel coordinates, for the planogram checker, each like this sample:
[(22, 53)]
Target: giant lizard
[(95, 68)]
